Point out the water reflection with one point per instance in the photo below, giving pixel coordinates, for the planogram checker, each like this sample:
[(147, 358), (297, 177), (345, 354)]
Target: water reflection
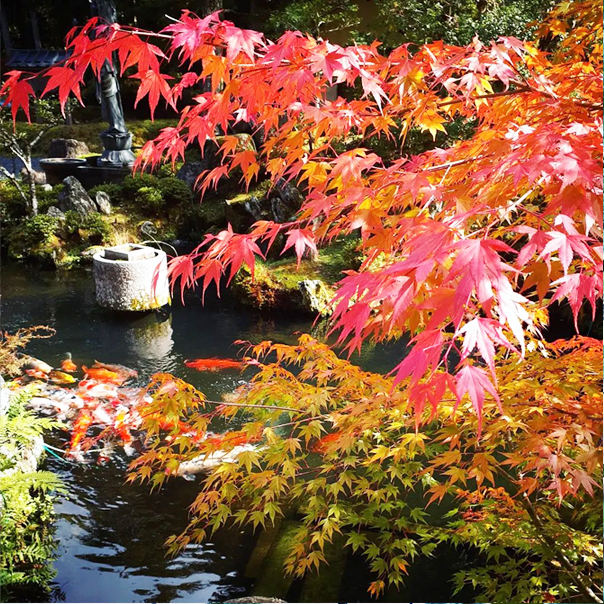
[(149, 339), (111, 534)]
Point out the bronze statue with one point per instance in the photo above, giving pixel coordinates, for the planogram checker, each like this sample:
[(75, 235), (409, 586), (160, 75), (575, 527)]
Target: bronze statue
[(117, 140)]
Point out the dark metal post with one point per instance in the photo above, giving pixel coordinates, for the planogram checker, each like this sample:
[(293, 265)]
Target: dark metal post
[(117, 140)]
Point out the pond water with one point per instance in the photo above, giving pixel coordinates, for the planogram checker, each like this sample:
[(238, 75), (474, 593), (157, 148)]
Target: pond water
[(110, 534)]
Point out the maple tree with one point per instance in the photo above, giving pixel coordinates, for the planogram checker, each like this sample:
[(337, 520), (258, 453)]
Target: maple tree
[(465, 247)]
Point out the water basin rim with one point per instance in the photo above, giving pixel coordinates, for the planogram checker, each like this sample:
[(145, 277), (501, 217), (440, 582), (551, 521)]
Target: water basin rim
[(158, 256)]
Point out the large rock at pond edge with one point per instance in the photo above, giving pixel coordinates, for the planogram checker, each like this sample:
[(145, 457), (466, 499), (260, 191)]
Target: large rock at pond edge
[(74, 197), (103, 202), (67, 147), (190, 171), (315, 296)]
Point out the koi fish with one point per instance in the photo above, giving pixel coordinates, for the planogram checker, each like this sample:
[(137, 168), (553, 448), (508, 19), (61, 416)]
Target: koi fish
[(37, 365), (92, 389), (121, 370), (36, 373), (103, 375), (60, 377), (68, 365), (80, 427), (214, 364)]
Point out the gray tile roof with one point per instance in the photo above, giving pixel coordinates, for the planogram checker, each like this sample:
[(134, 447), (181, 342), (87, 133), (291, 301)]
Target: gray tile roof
[(35, 59)]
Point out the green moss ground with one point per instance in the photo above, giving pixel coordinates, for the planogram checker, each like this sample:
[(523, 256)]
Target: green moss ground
[(276, 282), (142, 131)]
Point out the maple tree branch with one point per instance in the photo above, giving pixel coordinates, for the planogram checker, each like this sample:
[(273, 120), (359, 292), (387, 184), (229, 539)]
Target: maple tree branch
[(274, 407), (490, 95), (452, 164), (573, 573)]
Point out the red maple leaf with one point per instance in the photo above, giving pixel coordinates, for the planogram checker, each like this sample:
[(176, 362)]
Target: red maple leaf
[(300, 240), (153, 84), (476, 383), (17, 93)]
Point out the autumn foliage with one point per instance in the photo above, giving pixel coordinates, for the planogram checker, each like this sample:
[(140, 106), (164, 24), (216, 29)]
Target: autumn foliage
[(465, 247)]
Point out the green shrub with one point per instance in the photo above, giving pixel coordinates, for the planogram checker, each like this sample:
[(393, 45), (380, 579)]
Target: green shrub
[(175, 192), (12, 205), (27, 544), (149, 199), (48, 198), (132, 184), (114, 190), (92, 230), (167, 171), (36, 239), (39, 228)]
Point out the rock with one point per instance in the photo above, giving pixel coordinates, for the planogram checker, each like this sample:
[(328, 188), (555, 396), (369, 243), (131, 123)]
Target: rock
[(190, 171), (289, 194), (315, 296), (46, 187), (280, 212), (74, 197), (39, 177), (253, 208), (67, 147), (89, 252), (54, 211), (103, 202)]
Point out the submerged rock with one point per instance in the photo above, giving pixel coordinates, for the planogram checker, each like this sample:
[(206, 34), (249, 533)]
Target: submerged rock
[(74, 197)]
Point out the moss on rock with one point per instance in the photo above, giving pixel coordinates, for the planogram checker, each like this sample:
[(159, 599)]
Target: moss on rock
[(277, 284)]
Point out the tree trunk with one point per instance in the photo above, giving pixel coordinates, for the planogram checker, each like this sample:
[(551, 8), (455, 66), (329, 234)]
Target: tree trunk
[(5, 33), (34, 28), (33, 198)]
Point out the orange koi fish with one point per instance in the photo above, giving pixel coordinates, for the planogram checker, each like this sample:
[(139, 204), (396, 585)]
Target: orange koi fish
[(80, 427), (103, 375), (121, 370), (68, 364), (214, 364)]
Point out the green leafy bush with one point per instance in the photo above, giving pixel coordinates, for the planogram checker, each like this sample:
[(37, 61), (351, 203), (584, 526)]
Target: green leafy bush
[(48, 198), (12, 205), (27, 544), (38, 229), (92, 230), (149, 199), (36, 239), (132, 184), (175, 191), (167, 171)]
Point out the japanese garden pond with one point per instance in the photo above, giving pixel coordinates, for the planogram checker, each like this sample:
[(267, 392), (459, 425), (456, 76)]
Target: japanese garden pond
[(111, 534)]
